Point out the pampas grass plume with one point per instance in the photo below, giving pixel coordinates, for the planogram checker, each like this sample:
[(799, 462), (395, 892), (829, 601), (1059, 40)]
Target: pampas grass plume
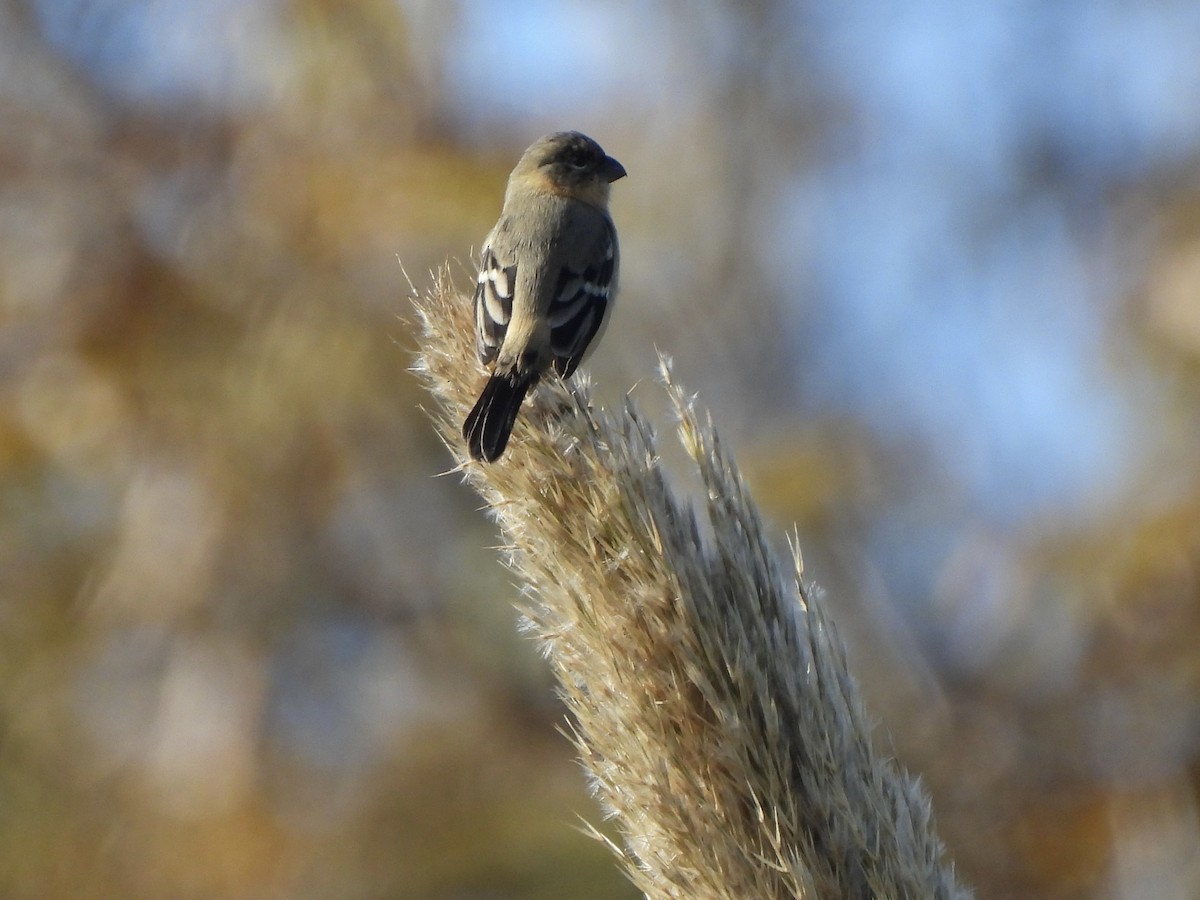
[(710, 698)]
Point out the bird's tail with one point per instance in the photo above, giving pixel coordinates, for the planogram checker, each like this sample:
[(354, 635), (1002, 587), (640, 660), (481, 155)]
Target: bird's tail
[(489, 424)]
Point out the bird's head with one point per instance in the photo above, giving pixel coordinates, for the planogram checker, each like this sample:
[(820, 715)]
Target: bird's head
[(571, 164)]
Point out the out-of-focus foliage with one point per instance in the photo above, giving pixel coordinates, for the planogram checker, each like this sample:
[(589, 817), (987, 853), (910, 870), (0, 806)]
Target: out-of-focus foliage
[(249, 645), (934, 271)]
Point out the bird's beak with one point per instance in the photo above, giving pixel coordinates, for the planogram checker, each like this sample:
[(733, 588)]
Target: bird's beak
[(612, 170)]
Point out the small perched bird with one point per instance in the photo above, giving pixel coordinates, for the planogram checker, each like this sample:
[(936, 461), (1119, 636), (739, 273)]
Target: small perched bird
[(547, 279)]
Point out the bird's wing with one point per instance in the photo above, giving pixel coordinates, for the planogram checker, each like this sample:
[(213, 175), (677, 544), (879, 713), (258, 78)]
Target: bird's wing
[(584, 290), (493, 304)]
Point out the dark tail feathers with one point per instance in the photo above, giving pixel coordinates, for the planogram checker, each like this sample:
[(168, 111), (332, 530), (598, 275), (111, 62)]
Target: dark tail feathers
[(489, 424)]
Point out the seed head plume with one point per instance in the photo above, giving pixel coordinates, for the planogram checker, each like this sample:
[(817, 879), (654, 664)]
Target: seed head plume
[(710, 697)]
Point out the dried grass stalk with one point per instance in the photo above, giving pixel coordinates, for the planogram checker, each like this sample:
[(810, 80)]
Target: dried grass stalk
[(712, 702)]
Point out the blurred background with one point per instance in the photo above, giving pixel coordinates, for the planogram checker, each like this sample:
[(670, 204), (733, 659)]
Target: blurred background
[(934, 267)]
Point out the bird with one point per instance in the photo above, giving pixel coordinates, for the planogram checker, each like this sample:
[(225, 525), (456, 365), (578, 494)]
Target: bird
[(547, 279)]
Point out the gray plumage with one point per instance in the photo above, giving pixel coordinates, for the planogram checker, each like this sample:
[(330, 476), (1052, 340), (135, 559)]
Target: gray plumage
[(547, 279)]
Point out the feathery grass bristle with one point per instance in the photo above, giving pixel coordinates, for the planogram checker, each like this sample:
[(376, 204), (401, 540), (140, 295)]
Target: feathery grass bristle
[(711, 700)]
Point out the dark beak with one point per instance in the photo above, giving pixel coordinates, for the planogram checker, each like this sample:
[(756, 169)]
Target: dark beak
[(612, 170)]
